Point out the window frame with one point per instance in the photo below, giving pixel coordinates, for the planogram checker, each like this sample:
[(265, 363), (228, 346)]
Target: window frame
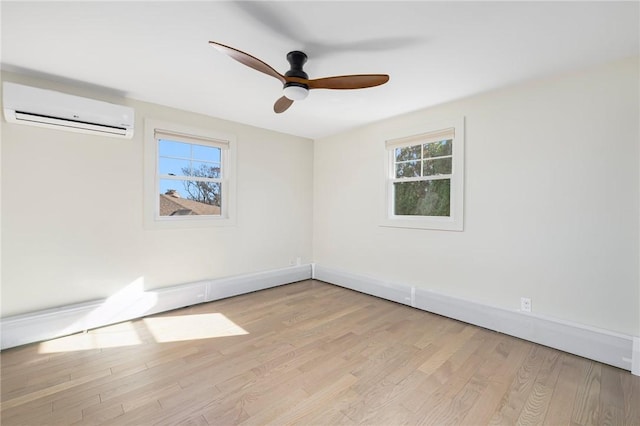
[(155, 130), (426, 133)]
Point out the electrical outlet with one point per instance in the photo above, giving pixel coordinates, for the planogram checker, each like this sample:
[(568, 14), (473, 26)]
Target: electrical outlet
[(525, 304), (298, 261), (292, 261)]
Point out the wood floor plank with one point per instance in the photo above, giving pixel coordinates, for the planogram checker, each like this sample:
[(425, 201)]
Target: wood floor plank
[(178, 406), (14, 402), (308, 407), (536, 406), (267, 413), (193, 421), (478, 398), (565, 390), (631, 389), (451, 401), (28, 411), (521, 386), (453, 344), (611, 407), (496, 375), (446, 371), (98, 414), (313, 354), (384, 401), (586, 410)]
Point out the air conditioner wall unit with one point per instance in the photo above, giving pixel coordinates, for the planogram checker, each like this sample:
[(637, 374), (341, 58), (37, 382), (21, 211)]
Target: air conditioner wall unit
[(47, 108)]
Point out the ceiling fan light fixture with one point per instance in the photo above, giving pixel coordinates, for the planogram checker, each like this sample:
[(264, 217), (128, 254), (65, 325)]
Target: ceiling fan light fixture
[(295, 92)]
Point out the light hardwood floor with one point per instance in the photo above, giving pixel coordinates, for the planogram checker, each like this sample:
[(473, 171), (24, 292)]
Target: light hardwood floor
[(307, 353)]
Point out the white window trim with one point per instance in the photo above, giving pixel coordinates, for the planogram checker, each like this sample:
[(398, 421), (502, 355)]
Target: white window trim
[(408, 137), (152, 220)]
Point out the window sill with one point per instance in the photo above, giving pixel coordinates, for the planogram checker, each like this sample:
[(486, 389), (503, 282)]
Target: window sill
[(189, 222), (433, 223)]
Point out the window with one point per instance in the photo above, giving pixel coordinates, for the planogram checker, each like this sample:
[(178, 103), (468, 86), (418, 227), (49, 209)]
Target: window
[(424, 178), (188, 176)]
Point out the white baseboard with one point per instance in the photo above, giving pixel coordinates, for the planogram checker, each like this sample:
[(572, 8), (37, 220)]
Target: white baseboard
[(601, 345), (635, 360), (135, 303), (241, 284)]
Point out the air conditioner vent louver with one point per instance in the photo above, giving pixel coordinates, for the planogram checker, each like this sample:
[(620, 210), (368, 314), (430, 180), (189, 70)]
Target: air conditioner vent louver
[(74, 124), (46, 108)]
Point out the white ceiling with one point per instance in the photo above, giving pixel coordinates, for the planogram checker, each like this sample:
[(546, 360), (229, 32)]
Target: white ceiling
[(434, 51)]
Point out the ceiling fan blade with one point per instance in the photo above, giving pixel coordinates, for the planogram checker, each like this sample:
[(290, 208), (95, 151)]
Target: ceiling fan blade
[(248, 60), (348, 81), (282, 104)]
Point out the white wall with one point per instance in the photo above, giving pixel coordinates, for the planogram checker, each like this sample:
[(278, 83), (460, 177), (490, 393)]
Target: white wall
[(551, 205), (72, 210), (551, 201)]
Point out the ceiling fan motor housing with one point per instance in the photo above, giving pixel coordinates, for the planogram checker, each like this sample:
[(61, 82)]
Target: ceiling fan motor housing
[(296, 60), (292, 89)]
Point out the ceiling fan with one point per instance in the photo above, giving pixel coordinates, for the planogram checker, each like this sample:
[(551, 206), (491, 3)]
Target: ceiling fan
[(296, 82)]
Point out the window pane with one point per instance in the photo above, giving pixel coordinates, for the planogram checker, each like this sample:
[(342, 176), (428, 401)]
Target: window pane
[(168, 148), (408, 169), (206, 153), (437, 149), (439, 166), (189, 197), (210, 170), (422, 198), (174, 167), (408, 153)]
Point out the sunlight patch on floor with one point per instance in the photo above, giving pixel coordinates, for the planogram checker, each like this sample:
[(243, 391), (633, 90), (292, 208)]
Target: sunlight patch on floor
[(161, 330), (110, 337), (192, 327)]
